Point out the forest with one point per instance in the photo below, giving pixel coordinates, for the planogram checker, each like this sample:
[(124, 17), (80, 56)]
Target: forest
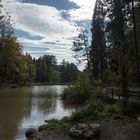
[(114, 52)]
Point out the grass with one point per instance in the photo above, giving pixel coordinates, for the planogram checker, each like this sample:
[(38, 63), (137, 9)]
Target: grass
[(54, 124)]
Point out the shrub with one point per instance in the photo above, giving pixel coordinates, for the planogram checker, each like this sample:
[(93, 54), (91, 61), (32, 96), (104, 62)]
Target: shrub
[(114, 108), (117, 117), (80, 92), (98, 94), (30, 133), (112, 112), (77, 94), (91, 110), (133, 108)]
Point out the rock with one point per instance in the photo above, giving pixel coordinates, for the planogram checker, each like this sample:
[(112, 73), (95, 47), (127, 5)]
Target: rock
[(75, 132), (85, 130), (93, 125), (46, 121), (30, 133)]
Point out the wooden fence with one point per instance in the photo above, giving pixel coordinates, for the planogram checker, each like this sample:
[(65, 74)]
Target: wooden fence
[(115, 93)]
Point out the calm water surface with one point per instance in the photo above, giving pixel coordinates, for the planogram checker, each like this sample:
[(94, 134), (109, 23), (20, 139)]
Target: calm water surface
[(24, 108)]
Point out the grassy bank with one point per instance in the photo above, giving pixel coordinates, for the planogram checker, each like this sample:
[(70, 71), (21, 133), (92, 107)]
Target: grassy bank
[(95, 105)]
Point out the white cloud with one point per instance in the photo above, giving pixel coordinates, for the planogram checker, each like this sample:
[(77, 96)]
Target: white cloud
[(48, 23), (85, 11), (44, 21)]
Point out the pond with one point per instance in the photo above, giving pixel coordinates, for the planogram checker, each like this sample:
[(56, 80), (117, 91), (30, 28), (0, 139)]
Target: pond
[(28, 107)]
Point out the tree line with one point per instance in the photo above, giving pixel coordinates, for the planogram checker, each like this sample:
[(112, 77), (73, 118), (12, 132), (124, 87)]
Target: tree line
[(48, 71)]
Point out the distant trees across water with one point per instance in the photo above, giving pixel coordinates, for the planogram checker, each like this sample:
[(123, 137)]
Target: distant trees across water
[(48, 71)]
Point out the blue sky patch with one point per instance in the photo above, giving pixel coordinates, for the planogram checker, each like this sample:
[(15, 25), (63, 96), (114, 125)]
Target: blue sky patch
[(58, 4), (23, 34), (28, 48)]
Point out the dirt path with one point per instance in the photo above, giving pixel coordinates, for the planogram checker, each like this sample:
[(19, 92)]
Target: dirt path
[(120, 131), (109, 131)]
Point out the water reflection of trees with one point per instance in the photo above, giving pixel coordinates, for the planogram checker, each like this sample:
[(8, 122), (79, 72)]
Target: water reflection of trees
[(14, 105), (47, 103), (69, 106), (54, 107)]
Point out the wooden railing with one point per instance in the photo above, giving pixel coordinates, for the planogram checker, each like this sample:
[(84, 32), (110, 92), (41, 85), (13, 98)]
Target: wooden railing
[(115, 93)]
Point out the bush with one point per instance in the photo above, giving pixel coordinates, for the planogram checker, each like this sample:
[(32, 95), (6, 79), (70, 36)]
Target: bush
[(112, 112), (98, 94), (79, 93), (30, 133), (114, 108), (76, 95), (91, 110), (98, 110), (133, 108)]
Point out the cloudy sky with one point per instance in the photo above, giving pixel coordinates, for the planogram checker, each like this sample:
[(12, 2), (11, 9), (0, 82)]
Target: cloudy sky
[(49, 26)]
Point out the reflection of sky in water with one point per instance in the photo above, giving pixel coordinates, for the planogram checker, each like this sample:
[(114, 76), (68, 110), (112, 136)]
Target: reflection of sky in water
[(60, 112), (43, 89), (38, 115)]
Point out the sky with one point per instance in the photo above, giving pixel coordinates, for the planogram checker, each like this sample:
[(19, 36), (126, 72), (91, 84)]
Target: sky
[(49, 26)]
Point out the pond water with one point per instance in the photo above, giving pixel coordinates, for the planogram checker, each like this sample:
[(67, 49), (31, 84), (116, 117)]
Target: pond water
[(27, 107)]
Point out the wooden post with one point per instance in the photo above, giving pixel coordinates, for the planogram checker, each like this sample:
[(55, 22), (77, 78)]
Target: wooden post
[(138, 96), (119, 94), (128, 91), (112, 93)]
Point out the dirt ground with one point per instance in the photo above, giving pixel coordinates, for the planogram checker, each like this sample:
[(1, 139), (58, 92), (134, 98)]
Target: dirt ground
[(109, 131)]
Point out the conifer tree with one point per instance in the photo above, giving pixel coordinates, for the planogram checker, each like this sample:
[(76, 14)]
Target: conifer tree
[(98, 41)]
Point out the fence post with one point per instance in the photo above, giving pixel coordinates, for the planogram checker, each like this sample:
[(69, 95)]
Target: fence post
[(128, 93), (138, 96), (112, 93), (119, 94)]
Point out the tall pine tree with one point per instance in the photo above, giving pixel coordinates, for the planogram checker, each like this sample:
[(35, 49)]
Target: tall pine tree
[(98, 41)]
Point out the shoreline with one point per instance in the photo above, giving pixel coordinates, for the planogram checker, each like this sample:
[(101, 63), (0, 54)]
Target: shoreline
[(32, 84), (109, 131)]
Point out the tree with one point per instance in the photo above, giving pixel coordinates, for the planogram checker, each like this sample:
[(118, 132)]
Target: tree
[(44, 68), (69, 72), (98, 41), (14, 66), (135, 40), (81, 47), (31, 69)]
